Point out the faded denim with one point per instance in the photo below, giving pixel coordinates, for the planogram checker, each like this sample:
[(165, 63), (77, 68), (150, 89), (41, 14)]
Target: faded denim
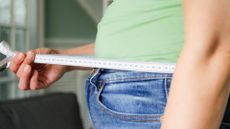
[(127, 99)]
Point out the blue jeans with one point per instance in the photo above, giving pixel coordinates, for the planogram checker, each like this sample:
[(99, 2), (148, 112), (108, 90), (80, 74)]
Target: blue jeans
[(126, 99)]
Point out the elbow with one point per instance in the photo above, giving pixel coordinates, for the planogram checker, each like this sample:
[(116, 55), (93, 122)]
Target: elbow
[(213, 49), (214, 54), (219, 47), (220, 57), (222, 52)]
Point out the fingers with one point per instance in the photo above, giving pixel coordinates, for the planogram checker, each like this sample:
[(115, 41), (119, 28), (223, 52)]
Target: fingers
[(21, 58), (24, 80), (21, 66), (17, 61), (30, 56), (29, 80), (34, 80)]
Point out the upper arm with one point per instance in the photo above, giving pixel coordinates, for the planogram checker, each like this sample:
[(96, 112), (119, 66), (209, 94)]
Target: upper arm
[(207, 27), (201, 78)]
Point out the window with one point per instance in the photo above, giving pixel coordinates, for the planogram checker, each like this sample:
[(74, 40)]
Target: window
[(15, 27), (13, 15)]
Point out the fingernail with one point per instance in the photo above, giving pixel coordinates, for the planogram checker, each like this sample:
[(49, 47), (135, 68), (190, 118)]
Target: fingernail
[(16, 54), (33, 88), (30, 54), (20, 55), (22, 87), (27, 69)]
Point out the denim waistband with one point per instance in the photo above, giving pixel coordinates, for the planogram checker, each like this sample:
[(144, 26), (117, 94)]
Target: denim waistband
[(110, 75), (115, 70)]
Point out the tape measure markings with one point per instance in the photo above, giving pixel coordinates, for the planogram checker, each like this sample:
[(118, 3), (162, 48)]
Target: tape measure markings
[(85, 61), (93, 62)]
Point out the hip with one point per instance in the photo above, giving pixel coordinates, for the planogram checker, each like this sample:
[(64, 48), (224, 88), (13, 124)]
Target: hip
[(127, 99)]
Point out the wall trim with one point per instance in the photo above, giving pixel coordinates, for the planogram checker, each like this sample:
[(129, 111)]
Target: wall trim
[(41, 24)]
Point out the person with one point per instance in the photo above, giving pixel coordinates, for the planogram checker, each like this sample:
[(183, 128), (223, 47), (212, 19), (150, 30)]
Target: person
[(193, 34)]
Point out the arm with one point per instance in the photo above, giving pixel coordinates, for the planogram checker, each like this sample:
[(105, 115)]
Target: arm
[(200, 86), (38, 76), (82, 50)]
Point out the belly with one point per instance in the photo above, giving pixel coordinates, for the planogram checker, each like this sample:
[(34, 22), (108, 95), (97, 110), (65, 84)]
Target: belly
[(148, 30)]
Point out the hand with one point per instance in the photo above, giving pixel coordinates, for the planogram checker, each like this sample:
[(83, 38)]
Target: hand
[(35, 76)]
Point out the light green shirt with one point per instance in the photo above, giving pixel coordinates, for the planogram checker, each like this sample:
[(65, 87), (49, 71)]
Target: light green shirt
[(144, 30)]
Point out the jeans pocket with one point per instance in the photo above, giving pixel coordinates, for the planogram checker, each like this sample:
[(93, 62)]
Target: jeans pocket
[(136, 100)]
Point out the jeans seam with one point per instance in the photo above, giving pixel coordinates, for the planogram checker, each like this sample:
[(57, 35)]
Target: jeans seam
[(92, 77), (124, 116), (130, 118), (107, 81), (87, 100), (166, 90)]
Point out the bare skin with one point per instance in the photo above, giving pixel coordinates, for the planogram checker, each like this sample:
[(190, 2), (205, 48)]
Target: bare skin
[(38, 76), (200, 86)]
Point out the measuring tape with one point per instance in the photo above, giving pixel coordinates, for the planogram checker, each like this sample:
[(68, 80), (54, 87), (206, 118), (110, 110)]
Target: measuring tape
[(94, 62)]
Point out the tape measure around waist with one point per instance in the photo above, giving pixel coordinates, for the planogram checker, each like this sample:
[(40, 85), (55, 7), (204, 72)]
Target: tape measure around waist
[(93, 62)]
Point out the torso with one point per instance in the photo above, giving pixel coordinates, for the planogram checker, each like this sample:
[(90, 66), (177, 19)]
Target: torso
[(146, 30)]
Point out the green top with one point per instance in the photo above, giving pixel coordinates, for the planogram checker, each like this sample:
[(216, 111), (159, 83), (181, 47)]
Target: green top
[(145, 30)]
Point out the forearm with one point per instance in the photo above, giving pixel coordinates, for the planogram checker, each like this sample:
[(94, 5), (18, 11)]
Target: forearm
[(87, 49), (199, 92)]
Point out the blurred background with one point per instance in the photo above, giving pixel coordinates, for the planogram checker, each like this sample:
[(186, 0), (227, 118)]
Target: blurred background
[(29, 24)]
